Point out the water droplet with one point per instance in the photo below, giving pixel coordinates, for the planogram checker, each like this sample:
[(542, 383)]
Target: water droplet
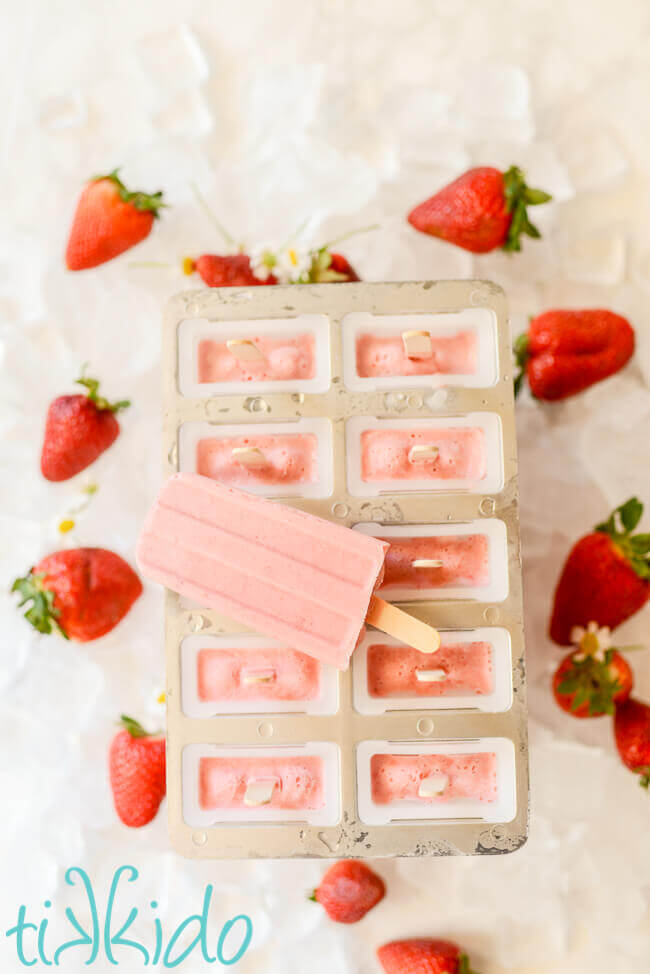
[(331, 846), (197, 622), (415, 401), (298, 397), (255, 404), (172, 454), (487, 506), (340, 510), (491, 614), (395, 401), (424, 725), (199, 838), (265, 729), (437, 399), (477, 298)]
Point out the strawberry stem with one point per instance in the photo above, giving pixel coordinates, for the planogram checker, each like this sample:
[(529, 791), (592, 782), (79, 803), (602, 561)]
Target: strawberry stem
[(134, 728), (519, 196), (350, 233), (644, 779), (520, 352), (590, 682), (636, 547), (92, 385), (464, 965), (145, 202), (42, 614)]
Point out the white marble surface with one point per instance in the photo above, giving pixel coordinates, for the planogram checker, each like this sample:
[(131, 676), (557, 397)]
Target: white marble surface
[(342, 112)]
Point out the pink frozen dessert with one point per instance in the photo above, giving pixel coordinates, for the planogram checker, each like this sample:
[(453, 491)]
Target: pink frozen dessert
[(249, 782), (245, 461), (257, 359), (457, 668), (431, 778), (256, 675), (385, 355), (463, 561), (438, 453)]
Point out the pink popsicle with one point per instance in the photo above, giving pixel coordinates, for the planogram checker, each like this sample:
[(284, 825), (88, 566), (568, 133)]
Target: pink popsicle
[(287, 458), (384, 355), (386, 454), (282, 359), (399, 777), (392, 670), (464, 557), (256, 674), (297, 781)]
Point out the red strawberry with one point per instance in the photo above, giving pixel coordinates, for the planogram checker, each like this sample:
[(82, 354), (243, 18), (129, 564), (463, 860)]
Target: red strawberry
[(331, 268), (423, 956), (82, 593), (231, 271), (348, 890), (481, 210), (632, 733), (137, 773), (605, 576), (77, 429), (565, 352), (108, 220), (584, 686)]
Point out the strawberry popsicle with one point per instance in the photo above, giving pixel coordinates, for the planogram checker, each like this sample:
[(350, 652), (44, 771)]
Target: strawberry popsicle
[(305, 581), (257, 359), (436, 562), (249, 782), (439, 453), (430, 778), (245, 461), (256, 675), (386, 355), (457, 668)]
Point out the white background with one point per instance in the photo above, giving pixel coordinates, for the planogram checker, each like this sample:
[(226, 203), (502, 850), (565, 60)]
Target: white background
[(342, 113)]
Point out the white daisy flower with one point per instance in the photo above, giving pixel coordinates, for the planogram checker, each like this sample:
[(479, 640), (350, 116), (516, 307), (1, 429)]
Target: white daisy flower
[(292, 266), (157, 707), (594, 640), (263, 261)]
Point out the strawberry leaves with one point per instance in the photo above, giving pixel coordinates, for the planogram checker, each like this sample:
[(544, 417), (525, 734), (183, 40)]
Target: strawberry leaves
[(619, 527), (520, 352), (591, 683), (518, 197), (100, 402), (147, 202), (464, 965), (42, 614), (134, 728)]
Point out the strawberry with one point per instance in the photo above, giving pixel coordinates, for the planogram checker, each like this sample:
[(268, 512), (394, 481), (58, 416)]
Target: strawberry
[(565, 352), (330, 268), (137, 773), (109, 219), (77, 429), (348, 890), (423, 956), (81, 593), (231, 271), (481, 210), (585, 686), (605, 577), (632, 734)]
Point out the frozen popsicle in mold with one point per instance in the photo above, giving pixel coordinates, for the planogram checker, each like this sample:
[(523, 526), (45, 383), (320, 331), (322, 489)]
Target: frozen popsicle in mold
[(300, 579), (274, 459), (258, 358), (457, 668), (436, 562), (416, 352), (253, 782), (256, 675), (431, 778), (438, 453)]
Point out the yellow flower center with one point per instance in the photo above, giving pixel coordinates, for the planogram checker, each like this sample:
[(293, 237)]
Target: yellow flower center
[(293, 257), (161, 697), (66, 525), (589, 643)]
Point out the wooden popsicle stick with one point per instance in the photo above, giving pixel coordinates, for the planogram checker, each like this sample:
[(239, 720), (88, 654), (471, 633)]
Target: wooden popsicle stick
[(426, 563), (244, 349), (432, 786), (266, 675), (417, 344), (430, 676), (423, 453), (382, 615), (259, 792), (249, 456)]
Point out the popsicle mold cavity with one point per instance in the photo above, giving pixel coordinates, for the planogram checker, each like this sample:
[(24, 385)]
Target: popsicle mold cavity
[(256, 675), (400, 777), (455, 453), (257, 358), (246, 782), (388, 355), (457, 668), (240, 461), (436, 562)]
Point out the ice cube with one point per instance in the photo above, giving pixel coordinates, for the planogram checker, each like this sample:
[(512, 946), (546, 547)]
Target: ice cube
[(594, 258), (594, 157), (63, 111), (187, 114), (172, 60)]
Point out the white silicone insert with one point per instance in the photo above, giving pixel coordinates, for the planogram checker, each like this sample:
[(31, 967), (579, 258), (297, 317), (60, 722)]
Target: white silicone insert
[(489, 423), (195, 330), (190, 434), (197, 817), (481, 322), (497, 701), (326, 701), (494, 530), (503, 809)]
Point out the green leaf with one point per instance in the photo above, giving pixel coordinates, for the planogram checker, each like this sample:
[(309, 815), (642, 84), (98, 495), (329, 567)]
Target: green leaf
[(134, 728), (640, 543), (630, 513), (92, 385), (518, 196), (42, 614), (536, 196)]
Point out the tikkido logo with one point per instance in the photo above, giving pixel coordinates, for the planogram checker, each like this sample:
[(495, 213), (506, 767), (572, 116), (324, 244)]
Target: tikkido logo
[(106, 935)]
